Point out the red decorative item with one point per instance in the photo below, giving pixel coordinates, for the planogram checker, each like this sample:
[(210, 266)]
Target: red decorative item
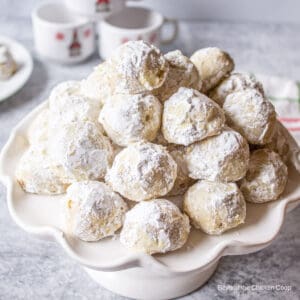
[(124, 40), (75, 47), (87, 33), (153, 38), (60, 36), (102, 5)]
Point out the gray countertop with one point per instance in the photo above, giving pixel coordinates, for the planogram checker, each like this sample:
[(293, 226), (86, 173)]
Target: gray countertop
[(34, 269)]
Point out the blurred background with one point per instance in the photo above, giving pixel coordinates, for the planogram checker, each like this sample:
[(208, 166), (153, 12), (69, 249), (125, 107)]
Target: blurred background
[(262, 36), (228, 10)]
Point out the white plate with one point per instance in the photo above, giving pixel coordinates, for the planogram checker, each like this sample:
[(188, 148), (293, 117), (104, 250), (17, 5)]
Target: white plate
[(24, 68), (139, 275)]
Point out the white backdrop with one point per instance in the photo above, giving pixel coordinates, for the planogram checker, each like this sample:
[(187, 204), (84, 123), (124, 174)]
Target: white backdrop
[(274, 11), (277, 11)]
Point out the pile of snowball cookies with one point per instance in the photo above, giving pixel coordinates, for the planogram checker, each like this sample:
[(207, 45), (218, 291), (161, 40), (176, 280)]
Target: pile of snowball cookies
[(143, 127)]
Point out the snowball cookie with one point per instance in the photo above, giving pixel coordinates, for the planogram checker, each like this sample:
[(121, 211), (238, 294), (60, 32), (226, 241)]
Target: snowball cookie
[(252, 115), (190, 116), (182, 73), (131, 118), (38, 174), (98, 86), (138, 67), (266, 178), (223, 157), (66, 103), (235, 82), (74, 108), (155, 226), (279, 142), (62, 90), (7, 64), (38, 130), (142, 171), (93, 211), (183, 181), (82, 149), (214, 207), (213, 65)]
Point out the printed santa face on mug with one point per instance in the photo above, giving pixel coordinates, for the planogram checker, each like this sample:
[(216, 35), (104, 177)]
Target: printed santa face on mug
[(60, 36), (73, 42)]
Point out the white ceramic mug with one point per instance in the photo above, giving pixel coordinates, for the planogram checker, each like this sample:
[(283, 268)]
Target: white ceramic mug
[(61, 36), (95, 10), (132, 23)]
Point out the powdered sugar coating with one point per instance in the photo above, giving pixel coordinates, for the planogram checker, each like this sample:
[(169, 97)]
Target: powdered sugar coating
[(142, 171), (98, 86), (155, 226), (137, 67), (182, 73), (8, 65), (38, 174), (213, 65), (183, 181), (62, 90), (235, 82), (252, 115), (223, 157), (74, 108), (279, 143), (131, 118), (215, 207), (39, 128), (266, 178), (82, 149), (93, 211), (190, 116)]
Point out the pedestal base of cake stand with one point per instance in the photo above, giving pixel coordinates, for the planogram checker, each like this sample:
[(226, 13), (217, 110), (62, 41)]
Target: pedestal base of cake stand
[(142, 283)]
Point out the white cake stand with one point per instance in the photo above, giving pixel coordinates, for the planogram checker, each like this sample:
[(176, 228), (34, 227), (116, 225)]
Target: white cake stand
[(138, 275)]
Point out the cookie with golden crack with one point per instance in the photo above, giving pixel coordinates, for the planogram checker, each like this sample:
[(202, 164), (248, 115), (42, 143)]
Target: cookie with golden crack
[(266, 177), (137, 67), (213, 64), (182, 73)]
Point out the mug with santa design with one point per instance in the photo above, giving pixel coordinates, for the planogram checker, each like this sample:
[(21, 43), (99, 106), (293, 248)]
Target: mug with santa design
[(130, 24), (61, 36), (95, 10)]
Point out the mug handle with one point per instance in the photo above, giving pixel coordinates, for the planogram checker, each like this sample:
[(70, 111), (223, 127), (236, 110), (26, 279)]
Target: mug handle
[(174, 24)]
